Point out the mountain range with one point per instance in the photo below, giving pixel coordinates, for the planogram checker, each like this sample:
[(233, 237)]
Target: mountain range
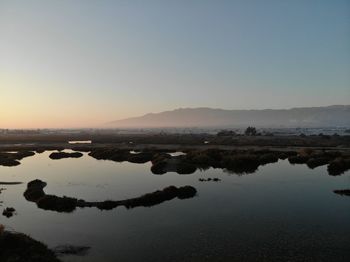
[(328, 116)]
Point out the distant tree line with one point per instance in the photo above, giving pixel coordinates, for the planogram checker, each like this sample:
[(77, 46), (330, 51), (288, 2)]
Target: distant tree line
[(249, 131)]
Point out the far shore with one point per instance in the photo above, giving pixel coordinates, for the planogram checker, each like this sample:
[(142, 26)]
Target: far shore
[(175, 142)]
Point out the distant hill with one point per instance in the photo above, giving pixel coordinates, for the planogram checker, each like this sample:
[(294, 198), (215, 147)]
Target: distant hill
[(337, 115)]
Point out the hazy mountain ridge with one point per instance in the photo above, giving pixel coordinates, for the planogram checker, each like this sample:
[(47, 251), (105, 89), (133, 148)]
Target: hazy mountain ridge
[(336, 115)]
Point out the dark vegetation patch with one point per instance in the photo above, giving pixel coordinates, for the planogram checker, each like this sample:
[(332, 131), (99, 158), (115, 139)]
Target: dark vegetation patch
[(338, 166), (121, 155), (238, 161), (298, 159), (244, 161), (8, 212), (8, 161), (241, 163), (159, 168), (215, 179), (343, 192), (235, 161), (314, 162), (268, 158), (10, 183), (140, 158), (114, 154), (12, 159), (35, 193), (185, 168), (61, 155)]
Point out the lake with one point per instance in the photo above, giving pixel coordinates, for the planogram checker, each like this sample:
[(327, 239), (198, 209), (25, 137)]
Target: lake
[(282, 212)]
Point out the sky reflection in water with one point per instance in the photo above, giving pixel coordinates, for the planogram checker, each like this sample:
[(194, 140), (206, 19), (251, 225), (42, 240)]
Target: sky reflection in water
[(281, 211)]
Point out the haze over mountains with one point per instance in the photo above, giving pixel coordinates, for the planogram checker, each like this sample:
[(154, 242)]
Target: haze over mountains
[(329, 116)]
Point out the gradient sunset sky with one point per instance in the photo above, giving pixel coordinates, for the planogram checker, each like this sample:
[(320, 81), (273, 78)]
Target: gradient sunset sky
[(84, 63)]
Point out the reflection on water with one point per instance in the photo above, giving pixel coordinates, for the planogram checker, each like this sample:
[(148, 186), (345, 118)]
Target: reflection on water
[(177, 154), (80, 142), (280, 213)]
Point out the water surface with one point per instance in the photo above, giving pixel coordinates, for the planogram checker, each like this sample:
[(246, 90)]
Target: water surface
[(280, 213)]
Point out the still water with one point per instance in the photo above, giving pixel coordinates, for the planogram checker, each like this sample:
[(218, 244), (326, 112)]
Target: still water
[(280, 213)]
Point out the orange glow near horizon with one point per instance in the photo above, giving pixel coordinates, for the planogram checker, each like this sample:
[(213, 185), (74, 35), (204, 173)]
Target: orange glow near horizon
[(27, 103)]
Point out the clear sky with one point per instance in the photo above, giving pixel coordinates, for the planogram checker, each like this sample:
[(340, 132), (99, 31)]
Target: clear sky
[(84, 63)]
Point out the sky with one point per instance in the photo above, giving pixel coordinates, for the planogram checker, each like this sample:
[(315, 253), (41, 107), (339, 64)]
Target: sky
[(84, 63)]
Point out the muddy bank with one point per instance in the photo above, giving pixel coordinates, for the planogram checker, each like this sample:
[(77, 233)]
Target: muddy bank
[(17, 247), (35, 193)]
